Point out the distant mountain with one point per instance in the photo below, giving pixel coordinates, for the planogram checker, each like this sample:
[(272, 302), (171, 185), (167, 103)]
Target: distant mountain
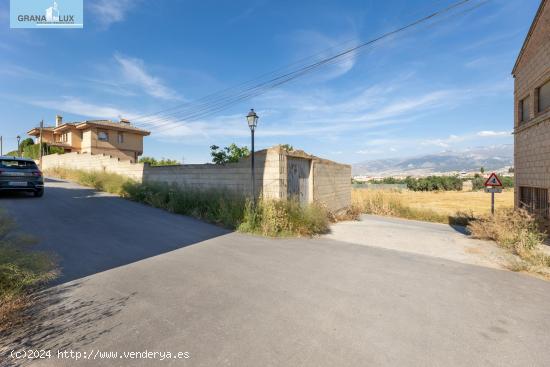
[(492, 158)]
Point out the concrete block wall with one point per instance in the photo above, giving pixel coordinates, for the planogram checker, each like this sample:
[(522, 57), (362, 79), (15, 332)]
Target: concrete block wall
[(93, 162), (332, 184), (234, 177), (532, 161)]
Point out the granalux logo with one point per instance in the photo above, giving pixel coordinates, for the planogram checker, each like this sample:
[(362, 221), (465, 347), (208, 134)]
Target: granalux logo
[(46, 14)]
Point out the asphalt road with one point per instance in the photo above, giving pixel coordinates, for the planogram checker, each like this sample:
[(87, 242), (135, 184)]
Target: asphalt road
[(166, 283)]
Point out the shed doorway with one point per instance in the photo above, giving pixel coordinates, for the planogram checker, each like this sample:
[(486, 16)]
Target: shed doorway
[(298, 179)]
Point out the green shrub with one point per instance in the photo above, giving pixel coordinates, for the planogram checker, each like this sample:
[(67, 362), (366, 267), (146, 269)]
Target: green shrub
[(33, 151), (434, 183), (284, 218), (268, 217)]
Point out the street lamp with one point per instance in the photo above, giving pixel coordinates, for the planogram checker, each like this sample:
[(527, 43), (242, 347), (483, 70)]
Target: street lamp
[(252, 119), (18, 146)]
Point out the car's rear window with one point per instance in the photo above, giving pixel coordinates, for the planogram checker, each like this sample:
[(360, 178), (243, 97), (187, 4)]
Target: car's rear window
[(13, 163)]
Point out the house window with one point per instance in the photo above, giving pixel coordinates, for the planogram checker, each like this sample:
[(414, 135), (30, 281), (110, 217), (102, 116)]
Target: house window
[(543, 93), (524, 110), (103, 136), (120, 138), (534, 200), (81, 135)]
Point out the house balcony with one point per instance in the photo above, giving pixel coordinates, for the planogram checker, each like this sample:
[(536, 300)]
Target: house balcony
[(60, 144)]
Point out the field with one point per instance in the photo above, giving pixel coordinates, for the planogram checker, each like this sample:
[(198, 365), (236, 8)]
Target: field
[(433, 206), (450, 202)]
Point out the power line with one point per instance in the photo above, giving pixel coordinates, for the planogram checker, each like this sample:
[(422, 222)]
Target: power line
[(206, 108), (149, 117)]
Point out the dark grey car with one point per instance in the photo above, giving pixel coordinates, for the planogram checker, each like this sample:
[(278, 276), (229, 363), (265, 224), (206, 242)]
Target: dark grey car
[(20, 174)]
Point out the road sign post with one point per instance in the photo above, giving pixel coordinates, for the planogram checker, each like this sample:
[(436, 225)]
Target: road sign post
[(493, 185)]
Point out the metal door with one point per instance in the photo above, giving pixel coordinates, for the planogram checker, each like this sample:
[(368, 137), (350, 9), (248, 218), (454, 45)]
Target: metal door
[(298, 179)]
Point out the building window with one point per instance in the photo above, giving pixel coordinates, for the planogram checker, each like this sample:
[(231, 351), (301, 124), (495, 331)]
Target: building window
[(103, 136), (534, 200), (81, 135), (120, 138), (543, 94), (524, 110)]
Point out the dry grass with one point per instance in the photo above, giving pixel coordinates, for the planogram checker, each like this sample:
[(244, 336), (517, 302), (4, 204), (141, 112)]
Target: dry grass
[(517, 232), (445, 203), (102, 181), (22, 270), (398, 204)]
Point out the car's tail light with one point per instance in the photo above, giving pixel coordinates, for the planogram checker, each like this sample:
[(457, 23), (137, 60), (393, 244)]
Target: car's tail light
[(37, 173)]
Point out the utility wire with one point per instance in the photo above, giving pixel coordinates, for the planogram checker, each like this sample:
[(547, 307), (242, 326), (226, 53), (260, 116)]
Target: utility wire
[(206, 109), (145, 118)]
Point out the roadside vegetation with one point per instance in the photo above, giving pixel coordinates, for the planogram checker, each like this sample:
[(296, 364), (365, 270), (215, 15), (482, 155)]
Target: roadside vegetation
[(441, 183), (22, 271), (395, 204), (102, 181), (31, 150), (159, 162), (519, 233), (453, 207), (269, 217)]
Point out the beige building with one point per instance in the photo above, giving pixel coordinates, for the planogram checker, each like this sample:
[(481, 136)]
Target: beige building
[(118, 139), (532, 116)]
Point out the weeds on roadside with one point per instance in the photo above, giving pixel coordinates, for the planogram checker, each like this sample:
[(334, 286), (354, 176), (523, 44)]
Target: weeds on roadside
[(21, 270), (102, 181), (518, 232), (269, 217)]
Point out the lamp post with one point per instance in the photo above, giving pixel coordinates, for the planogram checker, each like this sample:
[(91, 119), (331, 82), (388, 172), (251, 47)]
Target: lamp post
[(18, 146), (252, 119)]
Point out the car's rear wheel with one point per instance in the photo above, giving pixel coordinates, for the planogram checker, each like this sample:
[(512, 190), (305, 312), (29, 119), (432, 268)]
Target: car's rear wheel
[(39, 193)]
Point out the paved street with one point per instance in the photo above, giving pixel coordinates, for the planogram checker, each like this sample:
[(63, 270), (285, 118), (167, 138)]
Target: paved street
[(138, 279)]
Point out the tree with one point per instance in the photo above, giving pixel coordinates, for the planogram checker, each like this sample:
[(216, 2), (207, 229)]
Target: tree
[(230, 154), (482, 170), (162, 162), (287, 147), (26, 142)]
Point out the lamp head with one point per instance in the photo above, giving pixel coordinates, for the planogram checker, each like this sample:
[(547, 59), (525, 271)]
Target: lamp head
[(252, 119)]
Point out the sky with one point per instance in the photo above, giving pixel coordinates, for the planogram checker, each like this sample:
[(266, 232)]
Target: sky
[(445, 85)]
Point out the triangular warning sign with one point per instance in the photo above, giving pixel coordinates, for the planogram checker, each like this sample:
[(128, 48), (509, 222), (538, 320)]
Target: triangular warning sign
[(493, 181)]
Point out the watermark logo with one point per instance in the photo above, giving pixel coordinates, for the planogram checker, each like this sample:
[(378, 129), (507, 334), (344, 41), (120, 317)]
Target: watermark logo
[(46, 14)]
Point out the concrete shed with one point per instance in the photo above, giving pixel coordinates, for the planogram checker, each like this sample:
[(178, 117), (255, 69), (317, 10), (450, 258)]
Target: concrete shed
[(280, 174)]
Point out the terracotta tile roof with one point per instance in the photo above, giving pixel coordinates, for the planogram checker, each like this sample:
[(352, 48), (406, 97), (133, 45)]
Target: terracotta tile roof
[(83, 124)]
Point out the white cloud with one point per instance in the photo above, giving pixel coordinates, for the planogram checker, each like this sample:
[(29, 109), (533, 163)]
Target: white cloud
[(76, 106), (134, 73), (108, 12), (313, 46), (492, 133)]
